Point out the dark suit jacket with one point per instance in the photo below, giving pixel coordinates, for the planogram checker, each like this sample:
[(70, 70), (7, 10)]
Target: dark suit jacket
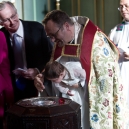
[(38, 50)]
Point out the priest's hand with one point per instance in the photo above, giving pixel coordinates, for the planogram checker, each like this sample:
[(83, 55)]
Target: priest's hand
[(38, 82)]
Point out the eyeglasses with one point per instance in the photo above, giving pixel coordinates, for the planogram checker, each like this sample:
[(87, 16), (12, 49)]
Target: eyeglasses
[(53, 36), (6, 21), (123, 7)]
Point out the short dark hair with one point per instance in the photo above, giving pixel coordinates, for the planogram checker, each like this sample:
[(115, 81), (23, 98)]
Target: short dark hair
[(53, 70), (57, 16)]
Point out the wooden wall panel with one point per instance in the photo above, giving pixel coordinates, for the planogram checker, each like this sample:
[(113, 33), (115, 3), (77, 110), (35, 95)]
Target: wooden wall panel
[(103, 13), (111, 15)]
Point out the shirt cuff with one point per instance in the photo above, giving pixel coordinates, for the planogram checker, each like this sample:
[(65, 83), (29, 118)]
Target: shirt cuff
[(65, 90)]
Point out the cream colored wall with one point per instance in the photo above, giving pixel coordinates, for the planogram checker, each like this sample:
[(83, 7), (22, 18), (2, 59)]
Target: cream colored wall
[(32, 10)]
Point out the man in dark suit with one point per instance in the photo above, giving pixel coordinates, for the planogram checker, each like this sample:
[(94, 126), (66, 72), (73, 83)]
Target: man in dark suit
[(36, 49)]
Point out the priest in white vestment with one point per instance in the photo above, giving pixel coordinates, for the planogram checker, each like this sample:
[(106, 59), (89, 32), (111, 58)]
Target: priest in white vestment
[(120, 36)]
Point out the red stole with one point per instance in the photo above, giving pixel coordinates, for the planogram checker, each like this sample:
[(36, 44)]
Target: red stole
[(86, 47)]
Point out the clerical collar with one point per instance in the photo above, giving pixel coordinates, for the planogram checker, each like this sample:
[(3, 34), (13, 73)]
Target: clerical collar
[(71, 42), (126, 22)]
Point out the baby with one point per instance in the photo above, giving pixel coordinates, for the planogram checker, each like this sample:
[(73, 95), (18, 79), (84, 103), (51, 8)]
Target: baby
[(66, 77)]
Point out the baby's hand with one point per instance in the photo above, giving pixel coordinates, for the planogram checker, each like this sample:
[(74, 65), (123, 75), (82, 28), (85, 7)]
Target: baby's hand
[(69, 93), (126, 56)]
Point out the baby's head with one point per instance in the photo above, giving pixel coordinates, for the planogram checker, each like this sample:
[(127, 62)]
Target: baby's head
[(54, 71)]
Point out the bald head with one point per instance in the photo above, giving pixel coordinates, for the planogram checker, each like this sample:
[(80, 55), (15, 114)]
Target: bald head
[(3, 4)]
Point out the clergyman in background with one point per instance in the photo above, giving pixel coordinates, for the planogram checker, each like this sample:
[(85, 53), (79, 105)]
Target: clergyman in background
[(120, 36)]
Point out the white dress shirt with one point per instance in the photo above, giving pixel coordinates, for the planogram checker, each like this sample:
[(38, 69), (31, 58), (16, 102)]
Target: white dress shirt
[(20, 39)]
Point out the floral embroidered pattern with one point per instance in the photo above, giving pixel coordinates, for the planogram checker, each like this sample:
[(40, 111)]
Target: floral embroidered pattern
[(95, 118), (120, 26), (105, 89), (105, 51)]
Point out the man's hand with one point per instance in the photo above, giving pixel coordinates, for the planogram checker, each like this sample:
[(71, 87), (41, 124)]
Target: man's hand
[(30, 73), (38, 82)]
